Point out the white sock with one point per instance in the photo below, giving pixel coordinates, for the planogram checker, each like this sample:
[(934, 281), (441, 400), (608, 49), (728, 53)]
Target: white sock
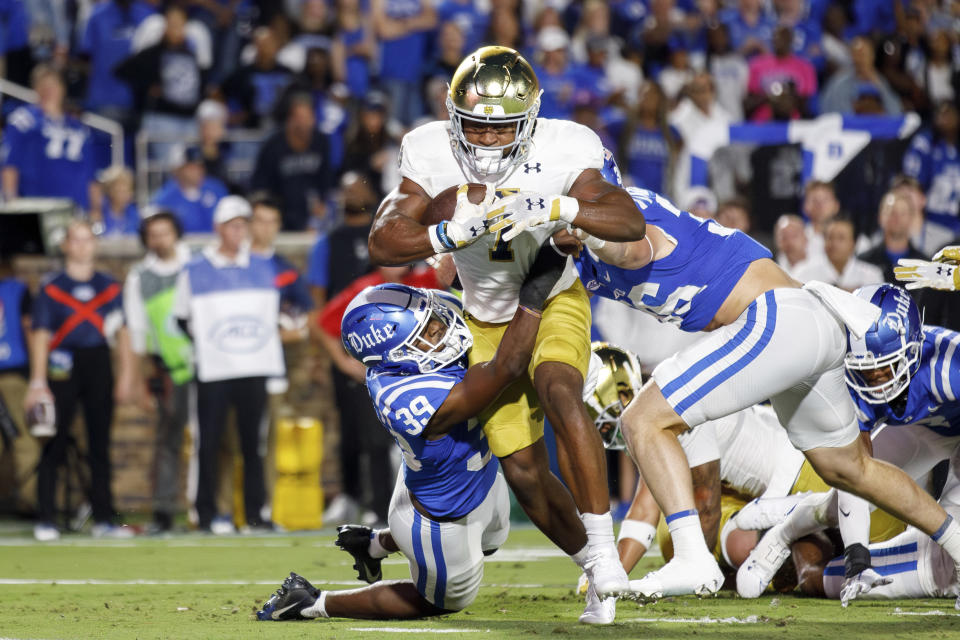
[(599, 528), (808, 516), (376, 550), (580, 558), (948, 537), (854, 516), (318, 609), (687, 536)]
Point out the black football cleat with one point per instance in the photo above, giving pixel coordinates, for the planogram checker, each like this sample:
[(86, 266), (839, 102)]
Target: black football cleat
[(355, 540), (293, 596)]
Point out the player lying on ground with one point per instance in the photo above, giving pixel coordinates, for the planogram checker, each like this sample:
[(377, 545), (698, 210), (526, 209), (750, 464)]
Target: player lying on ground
[(905, 379), (771, 338), (450, 505), (494, 136)]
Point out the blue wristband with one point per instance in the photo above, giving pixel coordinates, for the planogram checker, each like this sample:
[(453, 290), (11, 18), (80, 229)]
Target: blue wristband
[(443, 237)]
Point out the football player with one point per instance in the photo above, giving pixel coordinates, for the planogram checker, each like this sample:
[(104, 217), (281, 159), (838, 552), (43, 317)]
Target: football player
[(494, 136), (450, 506), (770, 338), (903, 376)]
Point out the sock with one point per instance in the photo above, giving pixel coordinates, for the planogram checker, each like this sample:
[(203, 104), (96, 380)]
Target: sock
[(376, 549), (686, 534), (948, 537), (580, 558), (807, 517), (318, 609), (599, 528), (854, 516)]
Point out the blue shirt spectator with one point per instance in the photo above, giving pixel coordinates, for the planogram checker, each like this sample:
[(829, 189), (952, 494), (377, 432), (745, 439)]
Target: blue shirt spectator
[(14, 26), (253, 90), (750, 28), (106, 42), (464, 13), (355, 36), (872, 16), (123, 222), (934, 160), (74, 311), (190, 192)]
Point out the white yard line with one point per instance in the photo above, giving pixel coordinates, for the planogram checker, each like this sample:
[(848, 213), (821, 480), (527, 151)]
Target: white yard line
[(408, 630), (704, 620), (935, 612)]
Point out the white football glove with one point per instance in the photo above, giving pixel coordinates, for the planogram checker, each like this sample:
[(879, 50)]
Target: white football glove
[(469, 220), (861, 583), (526, 210), (950, 255), (932, 275)]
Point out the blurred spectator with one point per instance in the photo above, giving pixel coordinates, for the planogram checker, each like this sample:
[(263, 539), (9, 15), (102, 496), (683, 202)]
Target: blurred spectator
[(647, 143), (354, 46), (697, 113), (403, 27), (76, 313), (835, 51), (840, 268), (47, 152), (329, 100), (872, 16), (15, 42), (449, 53), (119, 213), (295, 300), (195, 33), (106, 42), (771, 72), (751, 29), (847, 85), (227, 298), (15, 309), (167, 81), (942, 75), (215, 149), (820, 204), (892, 64), (227, 21), (252, 90), (660, 24), (371, 147), (361, 438), (558, 76), (729, 70), (341, 256), (164, 350), (805, 30), (700, 201), (790, 240), (469, 18), (926, 236), (190, 193), (678, 71), (934, 160), (505, 29), (314, 30), (294, 164), (617, 80), (734, 214), (896, 218)]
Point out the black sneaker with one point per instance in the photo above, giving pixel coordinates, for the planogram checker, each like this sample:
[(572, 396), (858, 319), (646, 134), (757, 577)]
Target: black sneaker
[(293, 596), (355, 540)]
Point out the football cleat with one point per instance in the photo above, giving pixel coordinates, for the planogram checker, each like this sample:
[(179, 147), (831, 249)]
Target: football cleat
[(762, 513), (606, 574), (598, 611), (680, 576), (293, 596), (355, 540), (762, 564)]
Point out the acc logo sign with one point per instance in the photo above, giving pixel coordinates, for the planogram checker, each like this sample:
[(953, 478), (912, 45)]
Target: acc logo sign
[(239, 334)]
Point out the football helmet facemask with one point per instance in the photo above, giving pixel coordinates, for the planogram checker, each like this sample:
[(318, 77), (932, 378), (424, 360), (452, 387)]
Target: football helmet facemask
[(618, 381), (385, 327), (893, 342), (493, 85)]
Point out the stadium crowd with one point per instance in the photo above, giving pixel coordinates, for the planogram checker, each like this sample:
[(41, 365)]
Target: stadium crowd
[(329, 87)]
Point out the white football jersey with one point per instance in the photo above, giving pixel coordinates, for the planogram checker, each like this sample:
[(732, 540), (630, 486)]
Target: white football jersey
[(491, 270), (756, 457)]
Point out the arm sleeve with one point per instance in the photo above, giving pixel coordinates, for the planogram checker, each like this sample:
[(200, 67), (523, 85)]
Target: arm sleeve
[(318, 264)]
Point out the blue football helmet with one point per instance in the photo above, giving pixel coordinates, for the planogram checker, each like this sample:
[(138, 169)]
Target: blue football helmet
[(383, 327), (893, 341), (610, 170)]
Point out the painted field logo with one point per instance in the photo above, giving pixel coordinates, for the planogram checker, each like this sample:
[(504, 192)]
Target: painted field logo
[(239, 334)]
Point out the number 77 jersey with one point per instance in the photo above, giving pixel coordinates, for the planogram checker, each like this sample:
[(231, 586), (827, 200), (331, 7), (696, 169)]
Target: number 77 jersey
[(451, 475), (688, 286)]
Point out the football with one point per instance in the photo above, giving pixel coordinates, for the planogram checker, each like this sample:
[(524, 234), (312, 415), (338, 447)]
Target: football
[(441, 208)]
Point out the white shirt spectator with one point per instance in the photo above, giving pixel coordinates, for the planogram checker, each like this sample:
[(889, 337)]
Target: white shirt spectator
[(730, 71), (856, 273)]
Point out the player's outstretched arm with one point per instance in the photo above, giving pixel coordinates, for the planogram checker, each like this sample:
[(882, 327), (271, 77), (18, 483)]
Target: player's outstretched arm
[(483, 382)]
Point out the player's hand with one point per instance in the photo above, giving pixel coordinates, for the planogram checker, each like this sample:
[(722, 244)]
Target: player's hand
[(861, 583), (469, 220), (950, 255), (932, 275), (528, 210)]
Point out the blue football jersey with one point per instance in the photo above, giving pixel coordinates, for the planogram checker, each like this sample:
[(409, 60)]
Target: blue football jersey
[(450, 476), (687, 287), (936, 166), (933, 397)]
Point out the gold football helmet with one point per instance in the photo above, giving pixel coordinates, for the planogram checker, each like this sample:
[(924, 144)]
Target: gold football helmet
[(493, 85), (618, 382)]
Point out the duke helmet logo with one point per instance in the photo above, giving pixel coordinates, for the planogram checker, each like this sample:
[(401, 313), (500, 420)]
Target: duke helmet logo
[(535, 167), (539, 204), (371, 338)]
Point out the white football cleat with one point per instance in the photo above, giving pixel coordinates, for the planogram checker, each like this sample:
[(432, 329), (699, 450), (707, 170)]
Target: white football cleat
[(679, 577), (763, 513), (606, 574), (598, 611), (762, 564)]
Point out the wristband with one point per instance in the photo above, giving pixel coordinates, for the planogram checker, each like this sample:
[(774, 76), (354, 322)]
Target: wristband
[(642, 532), (533, 312), (564, 208), (439, 239)]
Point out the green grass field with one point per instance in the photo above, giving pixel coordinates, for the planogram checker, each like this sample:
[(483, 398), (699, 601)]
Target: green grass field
[(202, 587)]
